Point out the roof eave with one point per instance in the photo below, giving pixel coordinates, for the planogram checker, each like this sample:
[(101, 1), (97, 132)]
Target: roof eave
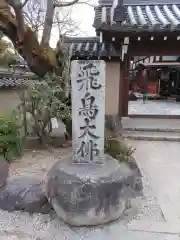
[(131, 29)]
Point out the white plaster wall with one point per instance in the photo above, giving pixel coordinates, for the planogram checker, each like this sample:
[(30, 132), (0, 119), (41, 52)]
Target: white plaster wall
[(9, 99), (112, 88)]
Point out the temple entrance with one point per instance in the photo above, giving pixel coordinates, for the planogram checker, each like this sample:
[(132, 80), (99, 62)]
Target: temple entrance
[(128, 33), (162, 95)]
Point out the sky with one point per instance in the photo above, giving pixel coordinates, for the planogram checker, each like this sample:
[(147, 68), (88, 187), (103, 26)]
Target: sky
[(83, 15)]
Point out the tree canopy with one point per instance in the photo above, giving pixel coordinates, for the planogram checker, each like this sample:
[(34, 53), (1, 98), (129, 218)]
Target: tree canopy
[(38, 55)]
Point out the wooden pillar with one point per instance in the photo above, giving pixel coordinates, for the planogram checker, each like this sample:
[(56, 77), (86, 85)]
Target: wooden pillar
[(125, 87)]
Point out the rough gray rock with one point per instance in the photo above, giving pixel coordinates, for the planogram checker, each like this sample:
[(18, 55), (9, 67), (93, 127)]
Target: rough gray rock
[(4, 171), (24, 193), (113, 124), (91, 194)]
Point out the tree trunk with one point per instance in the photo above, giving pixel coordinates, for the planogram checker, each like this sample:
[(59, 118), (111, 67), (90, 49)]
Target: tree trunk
[(48, 24), (40, 60), (43, 140)]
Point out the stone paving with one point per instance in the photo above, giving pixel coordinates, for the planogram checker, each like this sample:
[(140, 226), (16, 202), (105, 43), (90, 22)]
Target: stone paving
[(160, 160), (154, 107), (24, 227)]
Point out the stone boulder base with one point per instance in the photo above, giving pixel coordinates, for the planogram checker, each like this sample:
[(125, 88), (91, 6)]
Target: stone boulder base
[(24, 193), (91, 194)]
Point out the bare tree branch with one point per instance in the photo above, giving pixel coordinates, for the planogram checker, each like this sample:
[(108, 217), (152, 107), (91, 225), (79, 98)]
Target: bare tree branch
[(86, 3), (24, 3), (66, 4), (65, 24), (34, 14)]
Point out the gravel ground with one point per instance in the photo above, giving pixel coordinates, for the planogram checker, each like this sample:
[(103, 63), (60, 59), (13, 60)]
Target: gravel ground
[(147, 206), (37, 163), (23, 226)]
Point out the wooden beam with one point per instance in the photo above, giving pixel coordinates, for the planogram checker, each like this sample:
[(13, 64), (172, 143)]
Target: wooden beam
[(133, 35), (125, 90), (154, 48)]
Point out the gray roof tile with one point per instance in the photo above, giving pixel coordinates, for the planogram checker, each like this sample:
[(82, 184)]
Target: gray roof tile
[(90, 47), (8, 81), (140, 2), (151, 17)]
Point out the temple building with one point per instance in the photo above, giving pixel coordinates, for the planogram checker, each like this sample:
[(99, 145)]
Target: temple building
[(130, 32)]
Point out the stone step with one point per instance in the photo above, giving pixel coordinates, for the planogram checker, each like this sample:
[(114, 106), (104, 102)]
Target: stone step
[(151, 125), (152, 135), (152, 129)]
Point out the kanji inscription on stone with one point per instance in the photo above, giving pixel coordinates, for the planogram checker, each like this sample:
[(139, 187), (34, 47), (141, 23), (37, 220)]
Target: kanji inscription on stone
[(88, 110)]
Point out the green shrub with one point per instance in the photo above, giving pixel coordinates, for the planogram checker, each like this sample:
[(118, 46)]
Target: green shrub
[(10, 142), (118, 149)]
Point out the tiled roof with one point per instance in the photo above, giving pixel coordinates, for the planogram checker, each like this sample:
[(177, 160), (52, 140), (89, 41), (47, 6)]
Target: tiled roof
[(152, 17), (140, 2), (90, 47), (8, 81)]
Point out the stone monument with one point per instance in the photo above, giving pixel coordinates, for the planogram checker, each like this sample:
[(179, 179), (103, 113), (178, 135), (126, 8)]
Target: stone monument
[(88, 97), (90, 187)]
